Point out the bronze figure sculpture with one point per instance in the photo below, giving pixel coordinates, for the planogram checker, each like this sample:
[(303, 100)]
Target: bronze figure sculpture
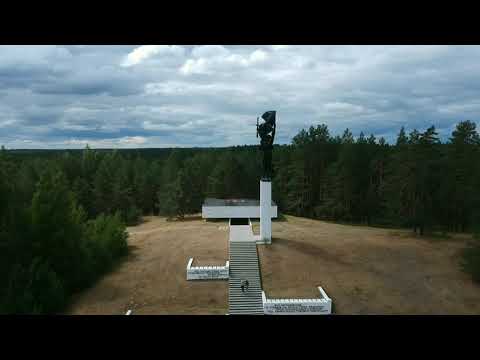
[(266, 131)]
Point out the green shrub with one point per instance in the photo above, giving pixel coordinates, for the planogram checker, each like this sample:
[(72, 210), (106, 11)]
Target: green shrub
[(132, 216), (34, 289), (106, 240), (471, 260)]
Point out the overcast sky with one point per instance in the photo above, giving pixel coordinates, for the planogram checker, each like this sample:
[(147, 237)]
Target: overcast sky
[(162, 96)]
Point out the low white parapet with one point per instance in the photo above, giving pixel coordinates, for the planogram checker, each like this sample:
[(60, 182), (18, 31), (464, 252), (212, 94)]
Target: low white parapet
[(319, 306), (207, 272)]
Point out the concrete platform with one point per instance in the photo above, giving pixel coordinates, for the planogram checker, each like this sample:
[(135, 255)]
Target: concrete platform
[(241, 233)]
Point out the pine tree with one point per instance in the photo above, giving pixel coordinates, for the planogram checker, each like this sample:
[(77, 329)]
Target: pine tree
[(401, 172), (345, 182), (122, 198), (84, 195), (226, 179), (103, 184), (194, 183), (298, 186), (402, 137), (464, 148), (57, 228), (90, 161), (172, 199)]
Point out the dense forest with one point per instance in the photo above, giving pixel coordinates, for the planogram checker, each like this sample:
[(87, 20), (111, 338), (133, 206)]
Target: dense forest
[(63, 213)]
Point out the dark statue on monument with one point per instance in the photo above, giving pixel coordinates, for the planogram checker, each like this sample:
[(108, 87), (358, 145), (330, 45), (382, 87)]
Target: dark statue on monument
[(266, 131)]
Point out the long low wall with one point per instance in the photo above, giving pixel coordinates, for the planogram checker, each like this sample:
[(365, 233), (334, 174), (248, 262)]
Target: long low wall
[(320, 306), (207, 272), (226, 212)]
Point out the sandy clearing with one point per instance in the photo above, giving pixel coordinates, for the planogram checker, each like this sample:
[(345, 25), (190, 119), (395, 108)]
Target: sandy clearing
[(153, 278), (368, 270), (365, 270)]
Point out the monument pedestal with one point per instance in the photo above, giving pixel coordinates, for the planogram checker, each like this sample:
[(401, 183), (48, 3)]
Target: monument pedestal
[(265, 211)]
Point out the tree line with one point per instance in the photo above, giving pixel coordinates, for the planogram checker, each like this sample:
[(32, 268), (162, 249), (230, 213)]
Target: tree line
[(63, 213), (418, 182), (53, 241)]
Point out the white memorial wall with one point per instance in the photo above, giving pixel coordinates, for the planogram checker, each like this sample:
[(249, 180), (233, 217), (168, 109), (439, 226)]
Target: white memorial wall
[(319, 306), (207, 272)]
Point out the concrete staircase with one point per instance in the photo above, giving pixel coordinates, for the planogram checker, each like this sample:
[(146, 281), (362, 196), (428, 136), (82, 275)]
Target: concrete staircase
[(244, 266)]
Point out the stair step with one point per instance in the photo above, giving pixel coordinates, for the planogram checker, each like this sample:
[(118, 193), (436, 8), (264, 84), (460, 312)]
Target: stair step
[(244, 265)]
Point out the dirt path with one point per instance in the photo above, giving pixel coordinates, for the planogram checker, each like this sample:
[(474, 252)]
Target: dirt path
[(364, 270)]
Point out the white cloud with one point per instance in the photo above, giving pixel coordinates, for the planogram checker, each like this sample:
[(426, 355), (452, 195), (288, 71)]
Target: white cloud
[(280, 47), (212, 94), (213, 59), (32, 55), (187, 88), (144, 52), (343, 107), (6, 122), (149, 125), (258, 56), (194, 66), (127, 141), (470, 107), (132, 140), (207, 51)]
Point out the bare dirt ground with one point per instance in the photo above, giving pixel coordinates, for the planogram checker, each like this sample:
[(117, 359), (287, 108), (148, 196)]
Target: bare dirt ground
[(153, 278), (364, 270), (367, 270)]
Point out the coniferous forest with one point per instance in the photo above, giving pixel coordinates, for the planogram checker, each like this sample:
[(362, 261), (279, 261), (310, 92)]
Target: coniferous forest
[(63, 213)]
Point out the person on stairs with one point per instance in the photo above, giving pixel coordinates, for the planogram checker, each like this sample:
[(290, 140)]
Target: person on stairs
[(244, 285)]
